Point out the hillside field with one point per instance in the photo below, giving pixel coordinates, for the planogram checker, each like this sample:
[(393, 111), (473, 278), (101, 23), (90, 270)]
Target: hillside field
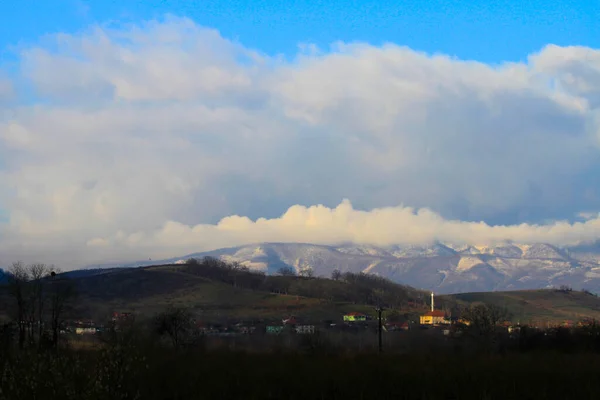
[(242, 295)]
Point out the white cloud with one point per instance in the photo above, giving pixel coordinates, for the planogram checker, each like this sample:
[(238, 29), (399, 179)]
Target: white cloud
[(6, 89), (140, 126), (323, 225)]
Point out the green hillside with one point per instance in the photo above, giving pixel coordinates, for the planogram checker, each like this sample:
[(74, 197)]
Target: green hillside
[(216, 291), (537, 306)]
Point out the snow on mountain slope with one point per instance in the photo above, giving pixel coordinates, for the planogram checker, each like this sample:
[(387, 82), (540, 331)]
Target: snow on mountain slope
[(467, 262), (544, 251), (434, 250), (443, 268), (363, 250)]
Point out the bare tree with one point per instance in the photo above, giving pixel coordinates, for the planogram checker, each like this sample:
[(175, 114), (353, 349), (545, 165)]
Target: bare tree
[(336, 274), (286, 271), (18, 280), (37, 275), (565, 289), (484, 318), (175, 322), (61, 293), (236, 268), (307, 272)]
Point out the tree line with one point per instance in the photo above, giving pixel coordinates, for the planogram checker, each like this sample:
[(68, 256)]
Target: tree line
[(358, 288), (41, 299)]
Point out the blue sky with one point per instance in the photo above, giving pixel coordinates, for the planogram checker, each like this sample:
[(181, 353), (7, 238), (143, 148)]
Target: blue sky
[(489, 31)]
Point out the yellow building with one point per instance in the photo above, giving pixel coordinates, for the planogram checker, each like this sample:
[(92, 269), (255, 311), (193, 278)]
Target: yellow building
[(434, 317)]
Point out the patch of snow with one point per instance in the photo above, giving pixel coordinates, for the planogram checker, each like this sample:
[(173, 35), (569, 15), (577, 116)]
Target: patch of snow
[(255, 266), (467, 262), (371, 266)]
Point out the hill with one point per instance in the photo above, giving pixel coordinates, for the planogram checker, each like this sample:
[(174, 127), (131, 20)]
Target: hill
[(537, 306), (443, 268), (216, 290)]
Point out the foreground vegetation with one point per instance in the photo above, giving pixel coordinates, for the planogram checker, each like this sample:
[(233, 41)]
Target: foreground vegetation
[(165, 356), (133, 364)]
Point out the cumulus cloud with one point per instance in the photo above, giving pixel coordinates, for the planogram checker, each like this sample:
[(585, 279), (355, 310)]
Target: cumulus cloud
[(143, 137), (342, 224), (6, 89)]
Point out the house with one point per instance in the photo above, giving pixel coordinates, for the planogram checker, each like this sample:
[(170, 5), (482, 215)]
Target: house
[(290, 321), (355, 317), (397, 326), (122, 316), (274, 329), (434, 317), (85, 330), (305, 329)]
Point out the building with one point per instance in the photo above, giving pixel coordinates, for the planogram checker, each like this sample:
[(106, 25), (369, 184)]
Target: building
[(122, 317), (355, 317), (290, 321), (85, 330), (433, 317), (274, 329), (305, 329), (397, 326)]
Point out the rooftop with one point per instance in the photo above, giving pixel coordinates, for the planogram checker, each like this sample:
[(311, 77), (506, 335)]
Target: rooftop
[(435, 313)]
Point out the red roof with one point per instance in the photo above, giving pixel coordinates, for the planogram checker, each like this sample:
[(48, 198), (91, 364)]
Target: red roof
[(435, 313), (355, 314), (290, 321)]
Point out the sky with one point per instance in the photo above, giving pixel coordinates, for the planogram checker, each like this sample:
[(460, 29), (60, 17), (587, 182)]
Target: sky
[(136, 129)]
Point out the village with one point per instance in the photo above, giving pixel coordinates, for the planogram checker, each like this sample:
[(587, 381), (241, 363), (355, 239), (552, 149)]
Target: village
[(435, 321)]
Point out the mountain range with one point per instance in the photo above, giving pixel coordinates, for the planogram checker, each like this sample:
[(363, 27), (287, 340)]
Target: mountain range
[(443, 268)]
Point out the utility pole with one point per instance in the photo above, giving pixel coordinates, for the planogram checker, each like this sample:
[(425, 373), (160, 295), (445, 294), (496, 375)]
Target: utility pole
[(379, 310)]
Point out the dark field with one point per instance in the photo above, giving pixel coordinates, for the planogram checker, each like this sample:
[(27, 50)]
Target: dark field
[(127, 373)]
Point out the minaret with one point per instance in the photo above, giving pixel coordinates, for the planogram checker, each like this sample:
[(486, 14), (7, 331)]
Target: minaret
[(431, 301)]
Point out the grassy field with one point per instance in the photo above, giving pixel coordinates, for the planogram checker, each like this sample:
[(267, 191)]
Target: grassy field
[(147, 291), (537, 305), (166, 374)]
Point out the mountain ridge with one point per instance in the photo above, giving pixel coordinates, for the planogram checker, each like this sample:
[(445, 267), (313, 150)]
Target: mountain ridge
[(439, 267)]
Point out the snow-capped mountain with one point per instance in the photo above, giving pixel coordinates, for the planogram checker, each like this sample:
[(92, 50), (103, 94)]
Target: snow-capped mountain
[(441, 267)]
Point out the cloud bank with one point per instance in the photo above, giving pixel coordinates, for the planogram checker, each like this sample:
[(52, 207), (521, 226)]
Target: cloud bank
[(134, 141), (343, 224)]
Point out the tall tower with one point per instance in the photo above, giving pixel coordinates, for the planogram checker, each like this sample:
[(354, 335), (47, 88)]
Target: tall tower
[(431, 301)]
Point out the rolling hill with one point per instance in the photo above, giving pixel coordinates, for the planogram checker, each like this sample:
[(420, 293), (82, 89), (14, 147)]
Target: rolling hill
[(214, 293), (539, 306)]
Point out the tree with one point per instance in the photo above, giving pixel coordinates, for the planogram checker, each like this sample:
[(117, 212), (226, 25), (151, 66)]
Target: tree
[(336, 274), (286, 271), (37, 275), (18, 279), (175, 322), (61, 292), (307, 272), (484, 318), (236, 268), (565, 288)]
